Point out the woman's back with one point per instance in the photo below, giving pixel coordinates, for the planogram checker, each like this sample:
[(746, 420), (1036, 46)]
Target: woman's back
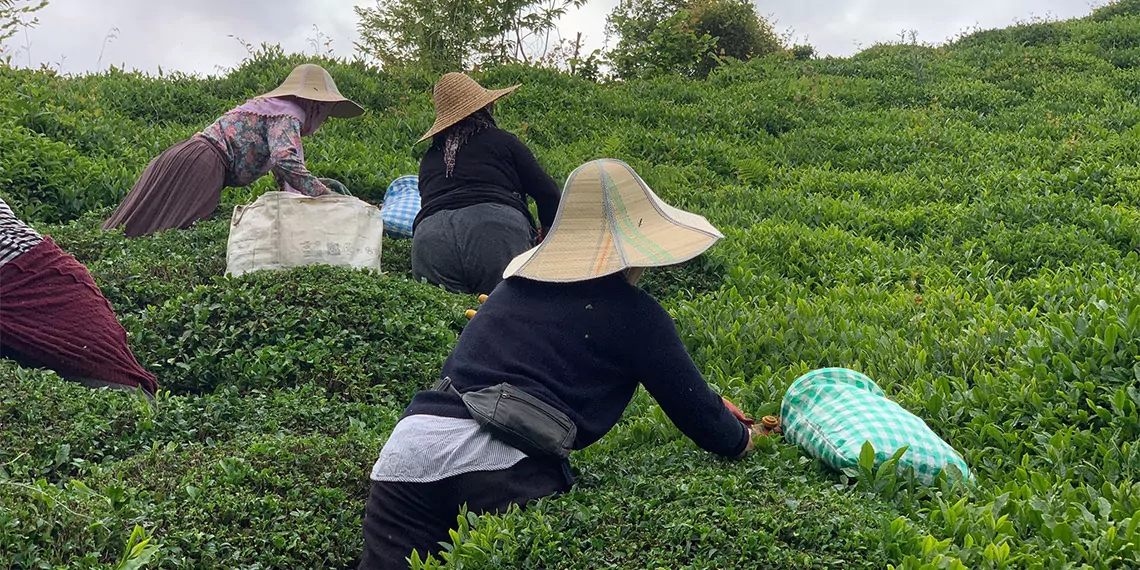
[(567, 344), (583, 348), (247, 140), (493, 166)]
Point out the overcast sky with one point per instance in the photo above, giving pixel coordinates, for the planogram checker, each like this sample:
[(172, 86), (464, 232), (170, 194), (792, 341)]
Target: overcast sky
[(195, 35)]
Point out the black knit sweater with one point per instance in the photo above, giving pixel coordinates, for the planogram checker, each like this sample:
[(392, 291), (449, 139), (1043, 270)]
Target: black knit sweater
[(583, 348), (493, 167)]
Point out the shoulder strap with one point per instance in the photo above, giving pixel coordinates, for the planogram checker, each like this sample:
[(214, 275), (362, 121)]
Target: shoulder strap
[(444, 385)]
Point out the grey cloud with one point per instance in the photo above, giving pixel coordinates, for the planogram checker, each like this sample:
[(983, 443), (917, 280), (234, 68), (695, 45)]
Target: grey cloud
[(841, 28), (194, 36), (174, 34)]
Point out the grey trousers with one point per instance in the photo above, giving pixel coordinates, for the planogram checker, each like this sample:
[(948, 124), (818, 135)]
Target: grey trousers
[(466, 250)]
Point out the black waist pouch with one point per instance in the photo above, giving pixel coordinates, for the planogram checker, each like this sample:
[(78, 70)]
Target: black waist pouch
[(519, 419)]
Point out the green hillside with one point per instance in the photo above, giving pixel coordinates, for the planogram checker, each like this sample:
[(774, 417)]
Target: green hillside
[(961, 223)]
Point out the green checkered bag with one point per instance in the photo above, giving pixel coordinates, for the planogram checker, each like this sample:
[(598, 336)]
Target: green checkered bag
[(831, 412)]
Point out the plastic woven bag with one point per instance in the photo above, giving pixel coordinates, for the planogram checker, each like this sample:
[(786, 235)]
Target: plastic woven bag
[(831, 412), (282, 229), (401, 204)]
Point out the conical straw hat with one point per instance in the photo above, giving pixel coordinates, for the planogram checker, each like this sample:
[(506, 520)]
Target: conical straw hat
[(312, 82), (456, 96), (609, 220)]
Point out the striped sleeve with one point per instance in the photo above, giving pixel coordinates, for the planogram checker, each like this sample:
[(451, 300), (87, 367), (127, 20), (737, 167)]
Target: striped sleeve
[(16, 237)]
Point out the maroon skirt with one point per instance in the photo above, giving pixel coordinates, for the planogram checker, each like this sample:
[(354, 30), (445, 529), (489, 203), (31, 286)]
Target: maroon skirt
[(53, 315), (179, 187)]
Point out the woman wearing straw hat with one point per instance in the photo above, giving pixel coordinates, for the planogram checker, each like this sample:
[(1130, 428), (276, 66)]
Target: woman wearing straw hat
[(473, 182), (564, 342), (184, 184)]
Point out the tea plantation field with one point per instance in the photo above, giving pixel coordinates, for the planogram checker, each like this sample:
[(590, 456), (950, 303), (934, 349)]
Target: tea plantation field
[(961, 223)]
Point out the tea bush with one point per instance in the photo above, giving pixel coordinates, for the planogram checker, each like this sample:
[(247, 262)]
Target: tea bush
[(339, 329), (186, 470), (959, 222)]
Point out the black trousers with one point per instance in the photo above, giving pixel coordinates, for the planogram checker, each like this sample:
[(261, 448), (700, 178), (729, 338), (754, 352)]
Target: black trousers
[(401, 517)]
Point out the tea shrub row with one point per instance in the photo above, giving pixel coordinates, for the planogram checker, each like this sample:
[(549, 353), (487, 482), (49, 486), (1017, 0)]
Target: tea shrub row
[(961, 223)]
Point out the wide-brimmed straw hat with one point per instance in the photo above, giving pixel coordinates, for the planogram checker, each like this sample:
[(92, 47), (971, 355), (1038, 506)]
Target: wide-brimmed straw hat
[(456, 96), (609, 220), (312, 82)]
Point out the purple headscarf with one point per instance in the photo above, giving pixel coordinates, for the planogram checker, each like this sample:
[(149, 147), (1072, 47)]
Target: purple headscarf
[(311, 114)]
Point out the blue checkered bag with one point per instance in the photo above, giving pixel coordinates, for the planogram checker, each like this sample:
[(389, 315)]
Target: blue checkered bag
[(401, 204)]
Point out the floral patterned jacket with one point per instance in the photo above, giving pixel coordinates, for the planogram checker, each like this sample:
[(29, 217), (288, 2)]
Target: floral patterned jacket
[(255, 145)]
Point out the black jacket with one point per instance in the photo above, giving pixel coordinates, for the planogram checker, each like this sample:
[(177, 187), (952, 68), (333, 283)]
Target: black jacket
[(583, 348), (494, 166)]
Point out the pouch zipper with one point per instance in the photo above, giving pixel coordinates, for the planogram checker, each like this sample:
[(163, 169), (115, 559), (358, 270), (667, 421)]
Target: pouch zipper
[(557, 420)]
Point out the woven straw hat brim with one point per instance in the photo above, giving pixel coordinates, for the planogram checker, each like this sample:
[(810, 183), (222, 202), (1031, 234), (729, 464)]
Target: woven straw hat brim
[(475, 99), (610, 220), (346, 110), (312, 82)]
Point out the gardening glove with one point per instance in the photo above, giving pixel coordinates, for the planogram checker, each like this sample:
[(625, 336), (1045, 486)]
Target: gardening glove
[(738, 413), (754, 429), (335, 186)]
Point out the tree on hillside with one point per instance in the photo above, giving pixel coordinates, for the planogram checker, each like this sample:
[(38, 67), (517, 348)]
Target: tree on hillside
[(685, 37), (16, 14), (523, 27), (439, 34), (739, 32), (1115, 9), (445, 35), (655, 37)]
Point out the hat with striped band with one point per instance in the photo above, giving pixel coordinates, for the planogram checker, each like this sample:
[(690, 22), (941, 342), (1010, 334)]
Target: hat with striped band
[(609, 220)]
